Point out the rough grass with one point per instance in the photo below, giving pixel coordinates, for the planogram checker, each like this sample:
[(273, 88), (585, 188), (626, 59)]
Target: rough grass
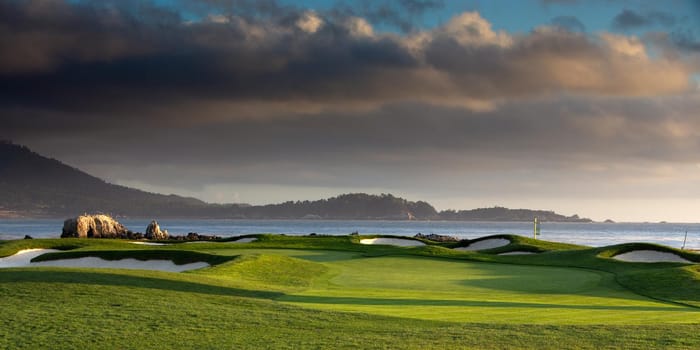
[(331, 292)]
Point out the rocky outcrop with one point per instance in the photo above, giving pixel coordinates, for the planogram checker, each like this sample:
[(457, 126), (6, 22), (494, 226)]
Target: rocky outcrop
[(194, 236), (436, 238), (93, 226), (153, 231)]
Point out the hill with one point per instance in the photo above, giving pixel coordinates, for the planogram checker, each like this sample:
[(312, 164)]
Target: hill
[(32, 185), (505, 214), (35, 186), (346, 206)]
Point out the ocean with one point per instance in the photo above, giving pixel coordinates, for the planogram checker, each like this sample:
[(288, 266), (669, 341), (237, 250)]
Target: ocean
[(591, 234)]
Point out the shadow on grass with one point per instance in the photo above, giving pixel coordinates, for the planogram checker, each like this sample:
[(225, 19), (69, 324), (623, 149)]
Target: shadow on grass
[(466, 303), (123, 280)]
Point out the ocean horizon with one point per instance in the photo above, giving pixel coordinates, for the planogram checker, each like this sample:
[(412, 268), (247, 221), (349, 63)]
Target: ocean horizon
[(590, 234)]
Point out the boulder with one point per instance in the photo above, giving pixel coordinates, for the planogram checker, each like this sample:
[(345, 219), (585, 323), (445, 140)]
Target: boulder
[(153, 231), (93, 226)]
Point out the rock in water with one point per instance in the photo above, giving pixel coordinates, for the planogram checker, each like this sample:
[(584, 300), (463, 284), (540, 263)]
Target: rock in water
[(93, 226), (153, 231)]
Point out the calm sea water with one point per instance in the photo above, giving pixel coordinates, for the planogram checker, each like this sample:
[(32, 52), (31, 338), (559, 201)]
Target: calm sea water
[(592, 234)]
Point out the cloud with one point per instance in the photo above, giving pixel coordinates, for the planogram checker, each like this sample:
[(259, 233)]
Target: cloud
[(569, 23), (630, 19), (244, 94), (557, 146), (403, 14), (309, 22), (93, 60)]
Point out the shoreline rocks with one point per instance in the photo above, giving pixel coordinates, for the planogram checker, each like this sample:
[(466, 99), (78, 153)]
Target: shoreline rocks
[(104, 226), (436, 238), (194, 236), (153, 232), (93, 226)]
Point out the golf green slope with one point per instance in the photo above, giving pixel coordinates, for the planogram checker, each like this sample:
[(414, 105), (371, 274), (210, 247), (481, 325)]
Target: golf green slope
[(332, 292)]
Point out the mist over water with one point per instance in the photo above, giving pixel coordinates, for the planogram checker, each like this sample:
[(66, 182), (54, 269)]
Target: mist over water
[(591, 234)]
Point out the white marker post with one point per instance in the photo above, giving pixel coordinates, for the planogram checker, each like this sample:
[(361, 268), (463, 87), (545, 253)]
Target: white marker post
[(536, 230)]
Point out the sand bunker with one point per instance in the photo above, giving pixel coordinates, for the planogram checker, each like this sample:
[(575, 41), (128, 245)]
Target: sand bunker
[(486, 244), (149, 243), (392, 241), (517, 252), (650, 256), (134, 264), (23, 259)]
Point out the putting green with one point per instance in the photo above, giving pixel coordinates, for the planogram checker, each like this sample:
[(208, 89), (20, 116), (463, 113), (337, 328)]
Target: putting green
[(451, 290)]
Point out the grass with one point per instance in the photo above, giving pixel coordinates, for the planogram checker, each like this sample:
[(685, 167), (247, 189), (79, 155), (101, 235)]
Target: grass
[(331, 292)]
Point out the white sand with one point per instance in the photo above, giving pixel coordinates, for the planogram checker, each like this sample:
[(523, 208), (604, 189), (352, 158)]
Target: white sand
[(486, 244), (23, 259), (149, 243), (134, 264), (517, 252), (650, 256), (392, 241)]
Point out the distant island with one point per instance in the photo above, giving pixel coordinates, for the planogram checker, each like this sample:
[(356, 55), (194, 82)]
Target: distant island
[(34, 186)]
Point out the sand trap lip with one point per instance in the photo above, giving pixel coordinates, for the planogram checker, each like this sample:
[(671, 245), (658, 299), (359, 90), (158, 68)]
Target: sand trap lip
[(517, 252), (650, 256), (23, 259), (392, 241), (149, 243), (486, 244)]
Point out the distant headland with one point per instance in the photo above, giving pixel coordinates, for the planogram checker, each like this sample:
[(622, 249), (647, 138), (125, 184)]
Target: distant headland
[(34, 186)]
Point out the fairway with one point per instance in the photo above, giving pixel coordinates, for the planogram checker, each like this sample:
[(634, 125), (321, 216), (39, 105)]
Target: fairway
[(298, 292), (449, 290)]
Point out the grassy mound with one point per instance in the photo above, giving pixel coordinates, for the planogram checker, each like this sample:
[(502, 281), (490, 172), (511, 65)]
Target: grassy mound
[(679, 284), (269, 271)]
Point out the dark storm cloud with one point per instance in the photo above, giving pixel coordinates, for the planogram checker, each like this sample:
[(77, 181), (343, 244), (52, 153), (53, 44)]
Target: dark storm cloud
[(630, 19), (397, 145), (102, 58), (292, 96), (685, 40)]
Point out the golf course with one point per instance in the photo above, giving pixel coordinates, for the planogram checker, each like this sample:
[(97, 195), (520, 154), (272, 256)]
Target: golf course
[(291, 292)]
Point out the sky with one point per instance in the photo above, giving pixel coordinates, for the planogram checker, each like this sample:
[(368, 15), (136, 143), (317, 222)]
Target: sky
[(581, 107)]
